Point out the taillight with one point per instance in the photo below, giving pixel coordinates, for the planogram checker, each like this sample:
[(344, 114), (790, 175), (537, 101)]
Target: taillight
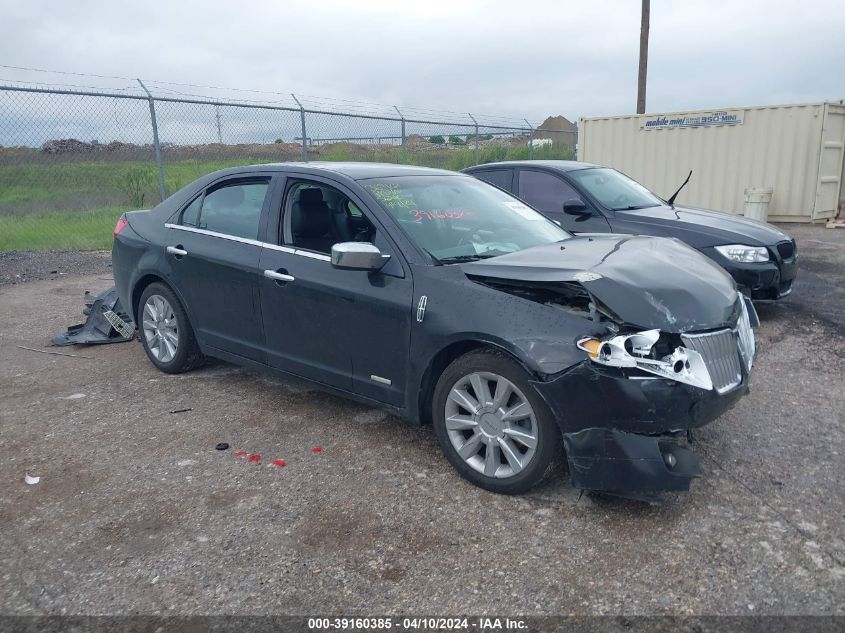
[(119, 226)]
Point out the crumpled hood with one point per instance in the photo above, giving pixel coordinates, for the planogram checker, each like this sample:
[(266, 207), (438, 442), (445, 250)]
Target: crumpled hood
[(647, 282)]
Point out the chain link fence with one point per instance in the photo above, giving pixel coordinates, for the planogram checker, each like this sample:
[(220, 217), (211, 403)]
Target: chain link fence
[(72, 161)]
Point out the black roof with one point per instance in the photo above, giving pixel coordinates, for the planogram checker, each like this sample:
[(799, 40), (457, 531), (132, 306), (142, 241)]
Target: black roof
[(355, 171), (557, 165)]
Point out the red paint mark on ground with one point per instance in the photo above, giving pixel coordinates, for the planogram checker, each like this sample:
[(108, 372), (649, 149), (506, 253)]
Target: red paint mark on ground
[(317, 449), (239, 453), (280, 463), (254, 458)]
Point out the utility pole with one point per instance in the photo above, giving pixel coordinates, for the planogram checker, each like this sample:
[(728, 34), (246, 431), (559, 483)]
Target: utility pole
[(643, 56)]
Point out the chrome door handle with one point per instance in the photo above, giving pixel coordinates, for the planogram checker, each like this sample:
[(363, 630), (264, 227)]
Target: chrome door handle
[(175, 250), (272, 274)]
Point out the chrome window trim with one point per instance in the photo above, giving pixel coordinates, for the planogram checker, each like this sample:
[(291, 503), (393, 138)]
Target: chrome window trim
[(245, 240), (233, 238), (276, 247), (312, 255)]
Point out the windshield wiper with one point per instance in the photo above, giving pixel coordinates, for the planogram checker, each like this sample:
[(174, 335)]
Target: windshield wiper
[(634, 207), (436, 261), (457, 259)]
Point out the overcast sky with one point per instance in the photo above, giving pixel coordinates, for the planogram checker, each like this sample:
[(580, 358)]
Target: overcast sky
[(522, 59)]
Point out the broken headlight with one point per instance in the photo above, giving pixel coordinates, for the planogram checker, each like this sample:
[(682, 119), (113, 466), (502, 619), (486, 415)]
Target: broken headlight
[(743, 253), (636, 351)]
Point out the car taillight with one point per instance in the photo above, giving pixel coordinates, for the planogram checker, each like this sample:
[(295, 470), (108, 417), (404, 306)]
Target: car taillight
[(119, 226)]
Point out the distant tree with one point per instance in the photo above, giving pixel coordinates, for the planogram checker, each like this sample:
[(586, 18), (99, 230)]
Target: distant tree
[(279, 140), (437, 140), (456, 140)]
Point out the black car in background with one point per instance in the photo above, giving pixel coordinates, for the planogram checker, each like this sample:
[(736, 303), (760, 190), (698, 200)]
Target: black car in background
[(447, 301), (586, 198)]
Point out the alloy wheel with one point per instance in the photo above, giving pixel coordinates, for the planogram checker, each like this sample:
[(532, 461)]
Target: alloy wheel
[(491, 424), (160, 328)]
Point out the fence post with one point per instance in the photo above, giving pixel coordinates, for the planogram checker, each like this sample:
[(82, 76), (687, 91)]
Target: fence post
[(219, 127), (302, 119), (156, 144), (530, 141), (402, 116), (476, 136)]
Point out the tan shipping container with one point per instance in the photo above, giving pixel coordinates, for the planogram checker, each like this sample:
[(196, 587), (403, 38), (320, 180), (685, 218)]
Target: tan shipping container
[(795, 149)]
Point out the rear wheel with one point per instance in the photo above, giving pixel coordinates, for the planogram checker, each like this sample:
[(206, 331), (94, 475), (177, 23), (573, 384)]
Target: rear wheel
[(492, 425), (166, 334)]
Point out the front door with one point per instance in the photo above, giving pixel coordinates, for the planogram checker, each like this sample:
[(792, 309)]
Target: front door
[(547, 192), (345, 328)]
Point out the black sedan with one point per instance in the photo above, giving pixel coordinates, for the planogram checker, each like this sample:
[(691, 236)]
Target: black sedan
[(447, 301), (586, 198)]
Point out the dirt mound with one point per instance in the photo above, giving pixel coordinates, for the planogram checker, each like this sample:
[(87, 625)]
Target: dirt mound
[(559, 129), (67, 146)]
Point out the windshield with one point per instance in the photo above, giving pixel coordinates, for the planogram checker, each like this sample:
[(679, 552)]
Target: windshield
[(614, 190), (457, 218)]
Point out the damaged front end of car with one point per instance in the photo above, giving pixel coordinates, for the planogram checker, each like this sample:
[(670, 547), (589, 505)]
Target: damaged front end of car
[(660, 357), (643, 393)]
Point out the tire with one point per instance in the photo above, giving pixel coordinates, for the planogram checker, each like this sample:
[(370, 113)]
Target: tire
[(507, 460), (165, 332)]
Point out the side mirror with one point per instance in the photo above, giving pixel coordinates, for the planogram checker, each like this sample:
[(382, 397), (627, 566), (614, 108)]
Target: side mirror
[(358, 256), (575, 207)]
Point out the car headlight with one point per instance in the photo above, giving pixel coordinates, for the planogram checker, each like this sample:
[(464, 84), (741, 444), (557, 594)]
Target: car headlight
[(743, 253), (634, 351)]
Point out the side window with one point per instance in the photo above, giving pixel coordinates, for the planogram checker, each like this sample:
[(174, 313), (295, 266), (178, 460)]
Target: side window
[(191, 214), (318, 216), (232, 209), (502, 178), (353, 209), (544, 191)]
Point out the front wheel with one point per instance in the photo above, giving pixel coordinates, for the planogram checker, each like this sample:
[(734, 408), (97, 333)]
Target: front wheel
[(492, 425)]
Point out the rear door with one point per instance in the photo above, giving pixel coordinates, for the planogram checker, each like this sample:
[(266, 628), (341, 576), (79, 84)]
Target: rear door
[(547, 192), (345, 328), (214, 252)]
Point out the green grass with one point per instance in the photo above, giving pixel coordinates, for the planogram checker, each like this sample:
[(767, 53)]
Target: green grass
[(62, 230), (51, 184), (73, 205)]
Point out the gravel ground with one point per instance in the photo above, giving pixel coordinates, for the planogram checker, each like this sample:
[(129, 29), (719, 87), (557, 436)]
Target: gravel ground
[(136, 512), (21, 266)]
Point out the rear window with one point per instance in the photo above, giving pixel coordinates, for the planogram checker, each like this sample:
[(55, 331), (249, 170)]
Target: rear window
[(502, 178)]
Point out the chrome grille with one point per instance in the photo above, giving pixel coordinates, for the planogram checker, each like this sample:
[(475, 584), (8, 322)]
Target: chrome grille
[(721, 355)]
